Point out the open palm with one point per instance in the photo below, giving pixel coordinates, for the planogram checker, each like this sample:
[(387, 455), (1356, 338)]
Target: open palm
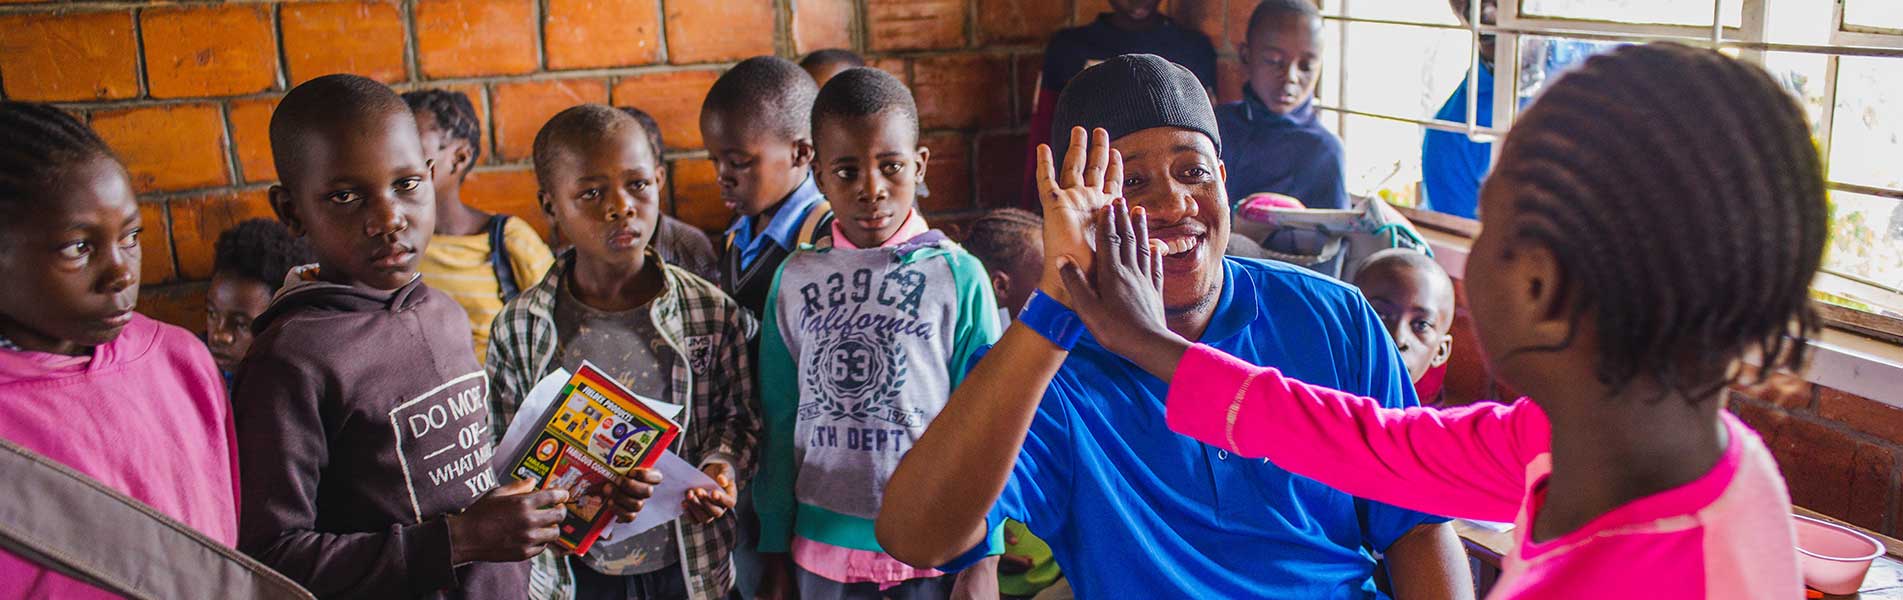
[(1091, 176)]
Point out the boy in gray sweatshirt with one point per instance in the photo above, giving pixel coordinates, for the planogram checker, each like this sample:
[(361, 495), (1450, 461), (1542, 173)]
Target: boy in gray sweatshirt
[(864, 339)]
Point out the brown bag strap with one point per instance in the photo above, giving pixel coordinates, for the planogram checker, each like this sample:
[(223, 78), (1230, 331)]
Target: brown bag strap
[(62, 520)]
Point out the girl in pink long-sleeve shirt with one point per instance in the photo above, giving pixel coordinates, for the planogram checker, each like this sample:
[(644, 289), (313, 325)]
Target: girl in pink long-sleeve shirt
[(1655, 216), (135, 404)]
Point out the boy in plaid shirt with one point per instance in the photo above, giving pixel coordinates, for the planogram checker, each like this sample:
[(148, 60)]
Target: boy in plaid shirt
[(656, 328)]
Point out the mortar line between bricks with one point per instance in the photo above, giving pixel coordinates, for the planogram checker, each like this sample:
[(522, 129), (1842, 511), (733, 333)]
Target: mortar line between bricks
[(1833, 425), (660, 27), (541, 35), (412, 53), (282, 71), (232, 165), (138, 53)]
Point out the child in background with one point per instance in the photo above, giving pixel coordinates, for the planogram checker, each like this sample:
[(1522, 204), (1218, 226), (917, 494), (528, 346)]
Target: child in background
[(863, 343), (249, 263), (663, 332), (360, 406), (1132, 27), (1272, 141), (1623, 473), (824, 64), (678, 243), (1010, 243), (130, 402), (480, 260), (755, 125), (1415, 300)]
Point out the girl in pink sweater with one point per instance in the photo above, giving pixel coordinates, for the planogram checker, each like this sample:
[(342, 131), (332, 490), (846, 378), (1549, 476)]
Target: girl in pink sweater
[(1656, 215), (134, 404)]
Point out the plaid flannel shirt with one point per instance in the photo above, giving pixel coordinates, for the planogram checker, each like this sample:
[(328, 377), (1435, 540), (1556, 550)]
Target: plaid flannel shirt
[(712, 378)]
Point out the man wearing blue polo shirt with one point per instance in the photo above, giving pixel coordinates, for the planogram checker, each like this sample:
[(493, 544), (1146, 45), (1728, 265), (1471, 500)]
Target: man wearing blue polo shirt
[(1053, 430)]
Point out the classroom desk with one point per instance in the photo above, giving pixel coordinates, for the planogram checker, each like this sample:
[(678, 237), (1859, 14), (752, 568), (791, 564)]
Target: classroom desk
[(1885, 581)]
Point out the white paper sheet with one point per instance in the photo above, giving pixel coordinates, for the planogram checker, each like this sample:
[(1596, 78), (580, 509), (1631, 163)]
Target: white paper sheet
[(676, 475)]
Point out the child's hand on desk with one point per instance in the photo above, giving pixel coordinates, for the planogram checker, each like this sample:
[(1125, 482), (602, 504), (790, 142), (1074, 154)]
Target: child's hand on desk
[(705, 505), (1122, 301), (511, 523)]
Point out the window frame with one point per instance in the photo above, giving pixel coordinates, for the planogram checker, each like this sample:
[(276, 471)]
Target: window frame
[(1747, 39)]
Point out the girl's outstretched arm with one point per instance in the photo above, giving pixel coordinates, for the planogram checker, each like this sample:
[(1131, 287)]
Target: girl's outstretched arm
[(1466, 462)]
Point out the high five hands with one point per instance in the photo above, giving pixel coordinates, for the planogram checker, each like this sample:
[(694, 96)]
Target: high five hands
[(1117, 287)]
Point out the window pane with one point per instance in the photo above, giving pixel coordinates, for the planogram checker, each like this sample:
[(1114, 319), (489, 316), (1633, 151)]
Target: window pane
[(1415, 11), (1867, 131), (1400, 70), (1543, 59), (1866, 240), (1383, 158), (1664, 12), (1873, 14), (1803, 76)]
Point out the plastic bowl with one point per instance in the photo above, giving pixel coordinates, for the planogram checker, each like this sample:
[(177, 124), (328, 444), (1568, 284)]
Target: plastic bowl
[(1835, 558)]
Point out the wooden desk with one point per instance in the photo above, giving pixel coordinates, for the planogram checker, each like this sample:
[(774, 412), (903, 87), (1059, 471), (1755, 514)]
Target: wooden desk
[(1885, 581)]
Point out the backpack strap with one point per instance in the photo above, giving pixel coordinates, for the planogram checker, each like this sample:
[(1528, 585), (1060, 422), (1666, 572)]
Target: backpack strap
[(499, 258), (816, 223), (60, 519)]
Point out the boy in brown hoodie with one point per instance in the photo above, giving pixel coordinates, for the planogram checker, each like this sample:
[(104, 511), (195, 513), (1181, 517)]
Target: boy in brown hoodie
[(361, 416)]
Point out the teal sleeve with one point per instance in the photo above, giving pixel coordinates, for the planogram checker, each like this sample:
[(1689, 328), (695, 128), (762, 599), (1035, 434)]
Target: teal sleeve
[(977, 325), (779, 395)]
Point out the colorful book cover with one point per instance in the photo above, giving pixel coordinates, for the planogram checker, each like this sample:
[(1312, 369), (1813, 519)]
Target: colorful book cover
[(594, 433)]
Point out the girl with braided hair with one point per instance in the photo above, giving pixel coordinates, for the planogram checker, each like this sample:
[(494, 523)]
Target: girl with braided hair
[(132, 403), (1657, 215)]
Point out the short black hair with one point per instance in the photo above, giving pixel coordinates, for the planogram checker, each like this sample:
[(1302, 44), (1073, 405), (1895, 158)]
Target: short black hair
[(648, 126), (1400, 257), (1681, 195), (1268, 10), (324, 104), (454, 114), (863, 92), (576, 123), (1002, 238), (261, 250), (38, 143), (769, 92), (832, 56)]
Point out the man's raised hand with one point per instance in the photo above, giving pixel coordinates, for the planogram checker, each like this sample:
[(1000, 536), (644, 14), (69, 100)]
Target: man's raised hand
[(1092, 174)]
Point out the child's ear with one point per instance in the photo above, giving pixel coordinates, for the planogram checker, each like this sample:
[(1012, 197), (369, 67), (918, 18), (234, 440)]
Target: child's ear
[(548, 208), (1543, 288), (1444, 352), (924, 159), (429, 164), (286, 210), (461, 161), (1000, 284), (1242, 52), (802, 153)]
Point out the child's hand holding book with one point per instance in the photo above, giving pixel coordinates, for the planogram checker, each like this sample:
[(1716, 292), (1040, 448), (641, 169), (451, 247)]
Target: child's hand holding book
[(626, 496), (511, 523)]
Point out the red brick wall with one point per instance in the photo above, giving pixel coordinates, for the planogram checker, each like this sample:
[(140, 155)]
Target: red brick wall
[(1839, 452), (184, 90)]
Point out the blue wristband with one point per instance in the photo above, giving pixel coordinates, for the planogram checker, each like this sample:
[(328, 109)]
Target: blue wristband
[(1051, 319)]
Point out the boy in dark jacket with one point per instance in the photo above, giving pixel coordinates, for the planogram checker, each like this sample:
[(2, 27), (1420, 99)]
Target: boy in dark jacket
[(361, 421)]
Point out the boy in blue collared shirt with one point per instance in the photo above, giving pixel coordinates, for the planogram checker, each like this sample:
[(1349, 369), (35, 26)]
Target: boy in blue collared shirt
[(754, 122), (1272, 140)]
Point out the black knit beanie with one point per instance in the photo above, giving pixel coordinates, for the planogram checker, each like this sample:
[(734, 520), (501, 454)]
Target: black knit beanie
[(1131, 93)]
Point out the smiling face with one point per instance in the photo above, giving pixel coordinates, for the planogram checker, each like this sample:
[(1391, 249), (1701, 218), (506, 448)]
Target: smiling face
[(604, 194), (71, 260), (1283, 58), (755, 166), (362, 197), (870, 168), (1417, 307), (1175, 175)]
